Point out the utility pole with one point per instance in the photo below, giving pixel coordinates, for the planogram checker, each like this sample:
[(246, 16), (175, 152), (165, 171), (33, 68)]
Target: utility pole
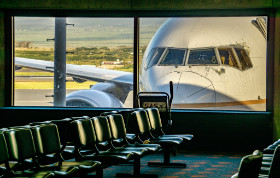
[(60, 62), (136, 61)]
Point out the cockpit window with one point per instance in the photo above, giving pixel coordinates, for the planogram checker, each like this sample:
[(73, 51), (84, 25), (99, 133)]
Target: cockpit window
[(173, 57), (202, 57), (227, 57), (244, 59), (154, 56)]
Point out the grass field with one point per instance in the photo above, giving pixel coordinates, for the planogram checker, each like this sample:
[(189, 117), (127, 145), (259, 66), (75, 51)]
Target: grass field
[(50, 85), (33, 74), (24, 72)]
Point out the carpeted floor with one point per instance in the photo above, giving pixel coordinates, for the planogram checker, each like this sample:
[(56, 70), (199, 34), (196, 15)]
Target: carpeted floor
[(210, 165), (198, 165)]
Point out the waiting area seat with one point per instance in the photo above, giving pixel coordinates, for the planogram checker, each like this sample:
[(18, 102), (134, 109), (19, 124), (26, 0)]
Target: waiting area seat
[(21, 159), (250, 165), (48, 148), (270, 149), (84, 146), (261, 164), (126, 116), (272, 169), (119, 134), (105, 141), (140, 123), (156, 126), (90, 133)]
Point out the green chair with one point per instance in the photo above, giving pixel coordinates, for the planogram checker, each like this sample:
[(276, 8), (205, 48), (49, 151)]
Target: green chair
[(156, 126), (274, 168), (49, 152), (140, 124), (4, 157), (22, 153), (85, 141), (250, 166), (21, 149), (104, 138), (119, 134), (86, 147)]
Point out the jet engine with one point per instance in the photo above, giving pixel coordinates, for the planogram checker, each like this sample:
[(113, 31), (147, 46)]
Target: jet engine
[(92, 98), (110, 95)]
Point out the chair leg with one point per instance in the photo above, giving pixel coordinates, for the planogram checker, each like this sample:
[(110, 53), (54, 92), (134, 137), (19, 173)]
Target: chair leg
[(166, 161), (136, 166), (99, 172)]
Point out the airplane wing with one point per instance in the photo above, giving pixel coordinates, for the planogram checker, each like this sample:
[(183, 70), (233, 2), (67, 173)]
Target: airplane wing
[(80, 71)]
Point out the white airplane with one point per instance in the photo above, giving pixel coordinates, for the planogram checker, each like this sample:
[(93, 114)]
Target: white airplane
[(214, 63)]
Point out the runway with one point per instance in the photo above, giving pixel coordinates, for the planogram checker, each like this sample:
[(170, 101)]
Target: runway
[(43, 97), (35, 97)]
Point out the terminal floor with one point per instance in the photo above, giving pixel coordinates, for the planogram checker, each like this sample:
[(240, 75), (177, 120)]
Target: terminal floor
[(211, 165)]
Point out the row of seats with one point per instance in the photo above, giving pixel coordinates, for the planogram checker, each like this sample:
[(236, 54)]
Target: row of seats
[(146, 125), (95, 143), (265, 164), (35, 151)]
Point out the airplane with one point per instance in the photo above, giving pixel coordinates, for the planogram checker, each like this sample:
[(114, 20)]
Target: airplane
[(214, 63)]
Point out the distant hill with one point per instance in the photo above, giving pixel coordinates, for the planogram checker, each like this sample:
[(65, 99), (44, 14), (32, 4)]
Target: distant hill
[(44, 23), (86, 31)]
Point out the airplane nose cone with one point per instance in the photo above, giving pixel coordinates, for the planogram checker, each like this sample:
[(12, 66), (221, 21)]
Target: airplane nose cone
[(191, 90)]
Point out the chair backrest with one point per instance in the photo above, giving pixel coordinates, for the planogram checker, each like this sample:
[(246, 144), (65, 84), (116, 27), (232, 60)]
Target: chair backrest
[(4, 156), (108, 113), (154, 117), (250, 165), (20, 144), (103, 132), (117, 125), (39, 123), (47, 143), (140, 124), (274, 171), (46, 138), (80, 117), (63, 129), (84, 133), (126, 113)]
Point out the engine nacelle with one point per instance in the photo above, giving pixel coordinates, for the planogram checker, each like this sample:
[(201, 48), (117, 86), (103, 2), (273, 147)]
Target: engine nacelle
[(92, 98)]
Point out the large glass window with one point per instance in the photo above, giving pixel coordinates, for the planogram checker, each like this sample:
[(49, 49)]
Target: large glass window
[(207, 60), (212, 66), (99, 62)]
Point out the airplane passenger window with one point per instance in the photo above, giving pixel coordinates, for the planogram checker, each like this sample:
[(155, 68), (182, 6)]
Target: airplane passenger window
[(154, 56), (227, 57), (202, 57), (173, 57), (243, 58)]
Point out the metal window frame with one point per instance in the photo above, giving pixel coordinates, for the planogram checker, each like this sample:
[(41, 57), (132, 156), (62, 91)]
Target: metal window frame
[(136, 14)]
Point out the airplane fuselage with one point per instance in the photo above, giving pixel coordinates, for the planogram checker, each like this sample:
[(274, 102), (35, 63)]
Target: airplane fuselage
[(217, 63)]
